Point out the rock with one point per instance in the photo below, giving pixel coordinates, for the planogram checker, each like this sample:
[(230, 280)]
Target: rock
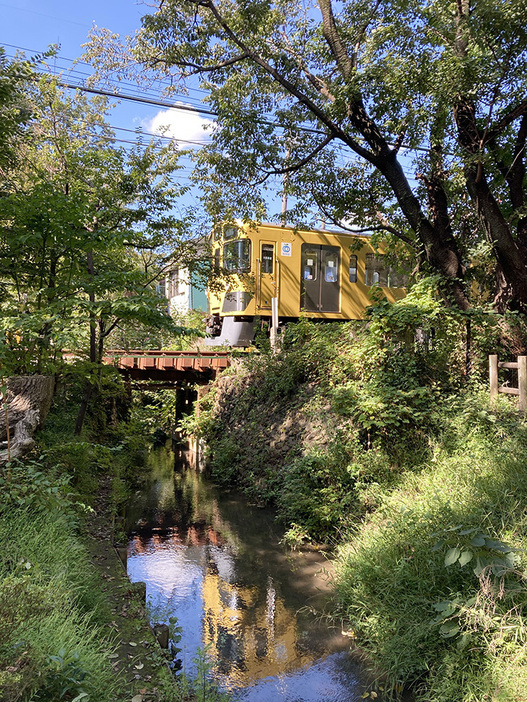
[(161, 632)]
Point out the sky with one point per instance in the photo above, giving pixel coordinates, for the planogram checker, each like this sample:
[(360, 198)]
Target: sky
[(34, 25)]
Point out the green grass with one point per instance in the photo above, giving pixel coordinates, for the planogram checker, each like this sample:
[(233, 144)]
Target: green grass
[(53, 616), (454, 632), (52, 642)]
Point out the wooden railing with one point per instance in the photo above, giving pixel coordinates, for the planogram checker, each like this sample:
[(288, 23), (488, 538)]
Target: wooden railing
[(521, 366)]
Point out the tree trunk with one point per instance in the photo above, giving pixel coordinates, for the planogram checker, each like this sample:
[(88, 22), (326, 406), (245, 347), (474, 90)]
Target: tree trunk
[(89, 387), (79, 423)]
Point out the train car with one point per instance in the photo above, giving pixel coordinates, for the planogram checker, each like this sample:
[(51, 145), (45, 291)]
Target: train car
[(320, 274)]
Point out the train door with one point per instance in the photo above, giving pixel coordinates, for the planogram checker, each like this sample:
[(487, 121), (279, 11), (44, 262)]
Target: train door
[(266, 275), (320, 276)]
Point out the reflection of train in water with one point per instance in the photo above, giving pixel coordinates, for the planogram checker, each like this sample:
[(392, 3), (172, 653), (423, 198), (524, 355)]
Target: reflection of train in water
[(320, 274)]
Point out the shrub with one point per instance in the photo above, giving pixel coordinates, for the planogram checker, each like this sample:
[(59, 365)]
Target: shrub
[(434, 582)]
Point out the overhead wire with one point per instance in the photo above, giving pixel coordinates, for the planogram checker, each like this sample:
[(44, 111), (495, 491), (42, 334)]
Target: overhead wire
[(159, 81), (176, 106), (148, 96)]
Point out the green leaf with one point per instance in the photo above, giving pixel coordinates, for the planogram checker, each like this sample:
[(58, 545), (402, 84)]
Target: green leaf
[(465, 558), (497, 546), (452, 555), (478, 541), (464, 640), (480, 566), (449, 629)]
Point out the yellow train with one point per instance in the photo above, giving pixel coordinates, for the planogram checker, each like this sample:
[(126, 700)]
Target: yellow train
[(318, 273)]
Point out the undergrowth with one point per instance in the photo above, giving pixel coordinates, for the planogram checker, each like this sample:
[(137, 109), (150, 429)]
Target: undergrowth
[(379, 437), (434, 583), (54, 642)]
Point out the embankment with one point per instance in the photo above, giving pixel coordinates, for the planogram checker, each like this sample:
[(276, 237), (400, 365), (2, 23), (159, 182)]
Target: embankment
[(71, 625), (384, 449)]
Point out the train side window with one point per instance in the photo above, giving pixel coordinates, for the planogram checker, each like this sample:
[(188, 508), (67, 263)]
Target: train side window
[(376, 270), (310, 265), (331, 271), (353, 269), (230, 232), (267, 258), (217, 260), (397, 279), (237, 256)]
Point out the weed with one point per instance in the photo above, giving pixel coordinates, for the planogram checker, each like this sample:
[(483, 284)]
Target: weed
[(383, 432)]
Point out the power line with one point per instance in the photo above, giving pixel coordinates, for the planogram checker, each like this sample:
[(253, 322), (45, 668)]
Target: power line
[(133, 98), (200, 111), (159, 136), (195, 110), (58, 57)]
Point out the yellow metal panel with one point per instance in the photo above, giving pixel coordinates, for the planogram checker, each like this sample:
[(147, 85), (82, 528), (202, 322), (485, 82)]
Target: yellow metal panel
[(354, 297)]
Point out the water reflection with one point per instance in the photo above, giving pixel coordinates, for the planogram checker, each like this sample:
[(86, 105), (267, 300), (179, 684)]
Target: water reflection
[(216, 564)]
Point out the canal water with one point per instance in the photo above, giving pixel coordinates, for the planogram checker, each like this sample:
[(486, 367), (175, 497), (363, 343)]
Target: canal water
[(257, 608)]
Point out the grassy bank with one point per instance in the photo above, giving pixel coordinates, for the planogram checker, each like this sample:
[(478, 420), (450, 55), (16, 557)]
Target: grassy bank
[(70, 625), (433, 582), (52, 613), (376, 440)]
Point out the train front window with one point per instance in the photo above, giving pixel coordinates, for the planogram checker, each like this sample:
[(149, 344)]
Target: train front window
[(230, 232), (267, 258), (237, 256)]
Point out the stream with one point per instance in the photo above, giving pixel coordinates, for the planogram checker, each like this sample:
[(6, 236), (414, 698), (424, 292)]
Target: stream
[(256, 607)]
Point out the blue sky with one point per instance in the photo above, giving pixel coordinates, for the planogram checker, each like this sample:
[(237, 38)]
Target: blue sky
[(33, 25), (36, 24)]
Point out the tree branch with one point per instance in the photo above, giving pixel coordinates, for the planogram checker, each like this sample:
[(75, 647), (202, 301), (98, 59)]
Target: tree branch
[(362, 33), (289, 86), (382, 226), (331, 35), (299, 164), (503, 122), (199, 68)]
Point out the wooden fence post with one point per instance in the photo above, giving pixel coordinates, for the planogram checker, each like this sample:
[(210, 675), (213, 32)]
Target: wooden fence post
[(522, 382), (493, 376)]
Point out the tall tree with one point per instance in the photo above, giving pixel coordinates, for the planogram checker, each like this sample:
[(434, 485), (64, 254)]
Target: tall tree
[(407, 117), (74, 227), (14, 109)]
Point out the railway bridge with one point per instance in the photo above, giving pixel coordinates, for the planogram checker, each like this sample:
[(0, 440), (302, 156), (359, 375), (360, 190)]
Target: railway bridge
[(169, 368), (176, 370)]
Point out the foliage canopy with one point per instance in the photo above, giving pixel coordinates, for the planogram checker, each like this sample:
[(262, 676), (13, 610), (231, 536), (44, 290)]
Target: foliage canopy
[(404, 117)]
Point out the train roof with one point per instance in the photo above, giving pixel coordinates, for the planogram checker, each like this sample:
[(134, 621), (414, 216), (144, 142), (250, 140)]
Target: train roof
[(287, 227)]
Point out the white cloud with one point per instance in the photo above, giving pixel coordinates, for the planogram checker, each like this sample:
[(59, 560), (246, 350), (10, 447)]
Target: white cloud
[(181, 125)]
